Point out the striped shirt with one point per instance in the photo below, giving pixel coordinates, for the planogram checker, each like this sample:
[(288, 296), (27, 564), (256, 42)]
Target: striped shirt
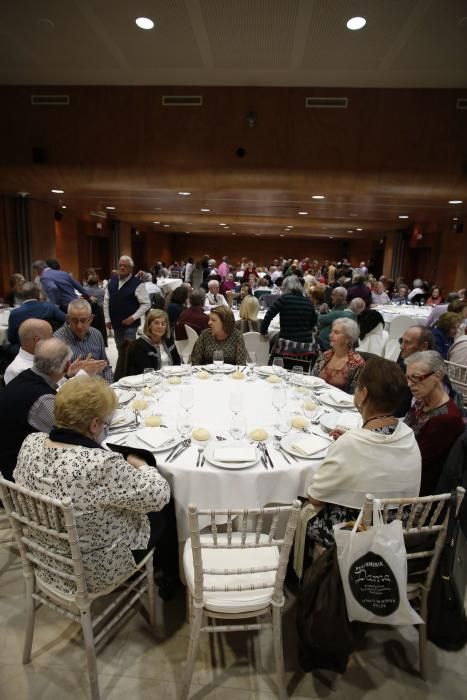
[(92, 343)]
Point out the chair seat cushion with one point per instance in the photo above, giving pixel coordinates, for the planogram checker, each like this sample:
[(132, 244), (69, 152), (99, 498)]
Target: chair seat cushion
[(225, 558)]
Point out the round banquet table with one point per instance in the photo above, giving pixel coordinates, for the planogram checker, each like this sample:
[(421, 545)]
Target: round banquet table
[(391, 311), (168, 284), (210, 486)]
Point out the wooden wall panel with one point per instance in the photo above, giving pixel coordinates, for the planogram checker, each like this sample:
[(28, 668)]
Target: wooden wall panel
[(67, 244), (9, 256), (41, 221), (159, 246), (125, 238)]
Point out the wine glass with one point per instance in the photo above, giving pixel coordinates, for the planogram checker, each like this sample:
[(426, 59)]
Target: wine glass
[(278, 365), (238, 427), (251, 362), (187, 372), (297, 381), (149, 376), (236, 401), (184, 423), (187, 398), (218, 362), (279, 399)]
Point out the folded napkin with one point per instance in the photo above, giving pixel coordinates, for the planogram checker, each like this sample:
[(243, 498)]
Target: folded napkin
[(119, 418), (340, 398), (309, 445), (154, 436), (234, 454), (132, 381), (265, 369)]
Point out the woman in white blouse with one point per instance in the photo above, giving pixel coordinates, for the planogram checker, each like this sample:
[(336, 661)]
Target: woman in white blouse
[(111, 495)]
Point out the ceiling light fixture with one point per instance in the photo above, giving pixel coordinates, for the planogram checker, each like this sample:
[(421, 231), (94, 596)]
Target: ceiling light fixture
[(58, 191), (111, 208), (355, 23), (451, 201), (205, 210), (156, 222), (331, 236), (454, 218), (359, 229), (303, 213), (222, 224), (144, 23), (281, 235), (166, 225), (184, 194), (63, 206), (403, 216), (317, 196)]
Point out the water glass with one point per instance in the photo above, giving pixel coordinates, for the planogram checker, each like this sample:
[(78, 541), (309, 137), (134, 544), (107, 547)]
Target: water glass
[(149, 376), (238, 427), (218, 362), (236, 401), (278, 365), (187, 397), (184, 423), (187, 373), (251, 362), (279, 399), (297, 381)]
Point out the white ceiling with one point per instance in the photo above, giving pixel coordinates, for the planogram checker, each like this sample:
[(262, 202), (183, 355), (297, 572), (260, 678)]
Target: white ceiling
[(406, 43)]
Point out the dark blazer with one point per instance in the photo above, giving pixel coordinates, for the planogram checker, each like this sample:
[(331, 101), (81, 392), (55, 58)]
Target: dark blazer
[(146, 355)]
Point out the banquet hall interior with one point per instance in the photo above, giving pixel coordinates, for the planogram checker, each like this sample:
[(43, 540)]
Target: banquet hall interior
[(252, 129)]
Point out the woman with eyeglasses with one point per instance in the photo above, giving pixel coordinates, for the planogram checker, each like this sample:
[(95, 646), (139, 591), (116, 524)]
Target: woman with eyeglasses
[(434, 417)]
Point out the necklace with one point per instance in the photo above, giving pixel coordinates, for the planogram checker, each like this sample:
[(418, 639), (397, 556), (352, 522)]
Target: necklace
[(376, 418)]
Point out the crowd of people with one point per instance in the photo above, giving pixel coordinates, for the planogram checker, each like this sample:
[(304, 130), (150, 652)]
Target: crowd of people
[(57, 403)]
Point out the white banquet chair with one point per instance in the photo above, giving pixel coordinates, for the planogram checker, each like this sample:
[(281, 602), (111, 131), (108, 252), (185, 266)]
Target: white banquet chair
[(423, 517), (255, 342), (458, 377), (400, 324), (392, 349), (192, 336), (237, 575), (46, 533), (375, 341)]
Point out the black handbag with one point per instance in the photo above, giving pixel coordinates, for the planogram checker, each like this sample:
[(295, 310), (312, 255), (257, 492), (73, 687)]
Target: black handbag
[(447, 624)]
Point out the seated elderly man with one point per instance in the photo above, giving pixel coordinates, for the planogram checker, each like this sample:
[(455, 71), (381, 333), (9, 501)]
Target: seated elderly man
[(415, 339), (27, 403), (33, 307), (339, 310), (213, 297), (85, 342), (30, 333)]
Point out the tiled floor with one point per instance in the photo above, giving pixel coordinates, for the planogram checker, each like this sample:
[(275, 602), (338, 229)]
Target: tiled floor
[(135, 665)]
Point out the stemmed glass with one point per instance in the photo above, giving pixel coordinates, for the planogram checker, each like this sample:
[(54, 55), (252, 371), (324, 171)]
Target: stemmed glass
[(184, 423), (237, 427), (149, 377), (236, 402), (187, 398), (251, 362), (297, 381), (218, 362), (279, 399), (278, 365)]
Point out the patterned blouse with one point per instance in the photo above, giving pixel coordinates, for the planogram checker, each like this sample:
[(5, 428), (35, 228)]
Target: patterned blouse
[(345, 378), (233, 348), (110, 498)]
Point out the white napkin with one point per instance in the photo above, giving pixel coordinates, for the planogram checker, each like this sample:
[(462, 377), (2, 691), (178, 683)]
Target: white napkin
[(119, 418), (234, 454), (132, 381), (154, 436), (340, 398), (309, 445), (265, 369)]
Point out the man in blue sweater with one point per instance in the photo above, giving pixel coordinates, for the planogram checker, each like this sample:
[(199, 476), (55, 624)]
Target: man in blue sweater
[(32, 307), (59, 287)]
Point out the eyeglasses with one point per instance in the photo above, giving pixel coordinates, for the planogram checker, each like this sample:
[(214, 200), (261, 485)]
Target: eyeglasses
[(77, 321), (420, 378)]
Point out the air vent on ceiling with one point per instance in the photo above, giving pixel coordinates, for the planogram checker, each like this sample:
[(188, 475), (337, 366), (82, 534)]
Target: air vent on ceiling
[(461, 103), (50, 100), (182, 100), (327, 102)]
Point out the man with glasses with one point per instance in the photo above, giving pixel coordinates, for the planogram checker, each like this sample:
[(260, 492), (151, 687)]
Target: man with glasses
[(415, 339), (85, 342)]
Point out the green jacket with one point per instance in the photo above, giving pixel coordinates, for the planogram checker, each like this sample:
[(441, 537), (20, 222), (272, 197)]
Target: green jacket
[(325, 322)]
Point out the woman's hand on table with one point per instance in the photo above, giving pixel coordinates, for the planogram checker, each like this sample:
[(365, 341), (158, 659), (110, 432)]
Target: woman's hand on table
[(135, 461), (336, 433)]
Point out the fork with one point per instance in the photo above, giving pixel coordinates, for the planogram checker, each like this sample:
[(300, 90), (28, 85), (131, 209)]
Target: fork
[(278, 448), (200, 452)]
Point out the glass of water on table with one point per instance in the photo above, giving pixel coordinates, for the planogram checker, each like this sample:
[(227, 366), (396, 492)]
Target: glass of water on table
[(218, 362)]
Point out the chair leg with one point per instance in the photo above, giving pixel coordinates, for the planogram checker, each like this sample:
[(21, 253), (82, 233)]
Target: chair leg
[(278, 651), (192, 649), (151, 592), (422, 637), (90, 649), (30, 618)]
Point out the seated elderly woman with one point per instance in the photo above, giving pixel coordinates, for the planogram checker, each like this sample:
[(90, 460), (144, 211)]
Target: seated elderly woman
[(434, 417), (248, 320), (446, 330), (155, 348), (340, 365), (382, 457), (221, 335), (115, 499)]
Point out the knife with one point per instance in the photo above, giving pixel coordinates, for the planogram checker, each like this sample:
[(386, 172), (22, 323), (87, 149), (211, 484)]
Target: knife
[(180, 451), (267, 455)]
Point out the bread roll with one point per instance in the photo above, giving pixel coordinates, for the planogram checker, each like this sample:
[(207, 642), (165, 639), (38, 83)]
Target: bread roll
[(237, 375), (273, 379), (200, 434), (147, 391), (202, 374), (139, 405), (258, 434), (299, 422), (174, 380), (153, 421), (309, 405)]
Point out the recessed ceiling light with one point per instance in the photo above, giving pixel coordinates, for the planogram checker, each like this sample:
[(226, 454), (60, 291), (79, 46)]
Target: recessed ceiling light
[(63, 206), (187, 232), (157, 209), (184, 194), (144, 23), (403, 216), (166, 225), (350, 230), (317, 196), (331, 236), (58, 191), (281, 235), (355, 23), (289, 227), (226, 228), (454, 218), (205, 210), (303, 213), (233, 233), (111, 208), (451, 201), (359, 229), (156, 222), (222, 224)]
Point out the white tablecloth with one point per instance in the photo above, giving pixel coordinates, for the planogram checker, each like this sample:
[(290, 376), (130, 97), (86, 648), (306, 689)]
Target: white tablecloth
[(168, 284), (210, 486), (391, 311)]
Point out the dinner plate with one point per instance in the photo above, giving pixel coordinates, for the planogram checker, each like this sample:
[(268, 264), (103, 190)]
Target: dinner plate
[(267, 371), (209, 454), (327, 398), (121, 418), (329, 421), (174, 370), (321, 445), (136, 381), (224, 368), (148, 438), (123, 395), (310, 382)]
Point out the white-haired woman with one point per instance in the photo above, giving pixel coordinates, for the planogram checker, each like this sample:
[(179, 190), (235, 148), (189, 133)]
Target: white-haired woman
[(340, 365), (434, 417)]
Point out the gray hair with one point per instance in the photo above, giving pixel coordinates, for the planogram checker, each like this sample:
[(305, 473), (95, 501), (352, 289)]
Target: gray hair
[(127, 259), (430, 359), (291, 285), (357, 305), (30, 291), (39, 265), (32, 328), (147, 277), (358, 278), (418, 283), (340, 291), (197, 297), (51, 356), (211, 283), (349, 327), (77, 304)]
